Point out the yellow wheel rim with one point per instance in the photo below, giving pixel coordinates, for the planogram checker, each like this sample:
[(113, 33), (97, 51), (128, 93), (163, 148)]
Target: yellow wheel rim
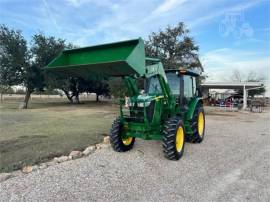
[(127, 141), (179, 139), (200, 123)]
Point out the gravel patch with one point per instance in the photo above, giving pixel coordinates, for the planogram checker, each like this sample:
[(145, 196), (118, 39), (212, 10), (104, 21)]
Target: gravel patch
[(232, 164)]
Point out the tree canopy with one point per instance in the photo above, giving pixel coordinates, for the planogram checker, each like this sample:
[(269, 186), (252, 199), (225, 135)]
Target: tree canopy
[(14, 57), (174, 47)]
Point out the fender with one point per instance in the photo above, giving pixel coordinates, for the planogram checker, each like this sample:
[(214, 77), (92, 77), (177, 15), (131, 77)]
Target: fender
[(192, 106)]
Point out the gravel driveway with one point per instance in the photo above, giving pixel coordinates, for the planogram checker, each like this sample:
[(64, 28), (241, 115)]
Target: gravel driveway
[(232, 164)]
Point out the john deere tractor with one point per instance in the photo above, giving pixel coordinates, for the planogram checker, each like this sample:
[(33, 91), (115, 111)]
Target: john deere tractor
[(168, 107)]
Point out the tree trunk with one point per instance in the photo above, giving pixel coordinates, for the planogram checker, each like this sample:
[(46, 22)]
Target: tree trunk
[(1, 97), (68, 96), (26, 98), (97, 97), (77, 100)]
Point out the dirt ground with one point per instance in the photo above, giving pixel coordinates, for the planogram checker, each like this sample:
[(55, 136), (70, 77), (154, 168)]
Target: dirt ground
[(51, 127), (231, 164)]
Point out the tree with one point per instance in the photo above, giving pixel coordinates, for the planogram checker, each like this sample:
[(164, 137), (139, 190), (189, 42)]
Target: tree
[(251, 76), (5, 90), (72, 86), (63, 82), (22, 66), (98, 85), (14, 58), (174, 47), (237, 76), (117, 87), (76, 86), (254, 77), (42, 51)]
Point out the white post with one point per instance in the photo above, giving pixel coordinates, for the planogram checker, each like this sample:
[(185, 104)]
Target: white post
[(244, 98)]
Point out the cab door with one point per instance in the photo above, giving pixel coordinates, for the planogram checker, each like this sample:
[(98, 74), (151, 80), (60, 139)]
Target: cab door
[(188, 89)]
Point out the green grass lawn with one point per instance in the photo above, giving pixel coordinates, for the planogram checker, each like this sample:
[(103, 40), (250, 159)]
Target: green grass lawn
[(49, 128)]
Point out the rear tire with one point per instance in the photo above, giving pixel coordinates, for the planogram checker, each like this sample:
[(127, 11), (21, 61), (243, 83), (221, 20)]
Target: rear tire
[(173, 138), (118, 143), (197, 126)]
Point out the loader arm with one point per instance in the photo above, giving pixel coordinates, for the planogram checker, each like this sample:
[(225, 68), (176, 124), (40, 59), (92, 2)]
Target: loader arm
[(131, 86)]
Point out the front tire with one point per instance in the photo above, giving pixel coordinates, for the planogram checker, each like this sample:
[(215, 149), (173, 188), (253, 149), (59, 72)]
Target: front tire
[(174, 138), (118, 143)]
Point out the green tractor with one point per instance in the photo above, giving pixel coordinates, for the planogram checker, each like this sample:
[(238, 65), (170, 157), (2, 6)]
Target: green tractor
[(168, 108)]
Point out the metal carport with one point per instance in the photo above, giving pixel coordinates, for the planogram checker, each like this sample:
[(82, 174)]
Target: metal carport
[(246, 86)]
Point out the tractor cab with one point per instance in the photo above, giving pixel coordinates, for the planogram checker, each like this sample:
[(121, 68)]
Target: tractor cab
[(183, 86)]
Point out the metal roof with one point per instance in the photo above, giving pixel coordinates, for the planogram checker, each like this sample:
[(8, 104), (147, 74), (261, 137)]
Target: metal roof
[(231, 85)]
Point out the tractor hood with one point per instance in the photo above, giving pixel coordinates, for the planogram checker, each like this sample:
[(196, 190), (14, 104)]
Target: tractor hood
[(147, 99)]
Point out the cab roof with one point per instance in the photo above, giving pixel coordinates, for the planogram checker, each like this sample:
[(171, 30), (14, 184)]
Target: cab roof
[(184, 72)]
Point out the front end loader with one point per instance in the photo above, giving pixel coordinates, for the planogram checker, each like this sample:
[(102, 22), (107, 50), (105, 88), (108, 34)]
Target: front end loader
[(168, 107)]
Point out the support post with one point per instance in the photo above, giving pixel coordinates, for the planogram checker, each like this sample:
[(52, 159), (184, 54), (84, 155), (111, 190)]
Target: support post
[(244, 98)]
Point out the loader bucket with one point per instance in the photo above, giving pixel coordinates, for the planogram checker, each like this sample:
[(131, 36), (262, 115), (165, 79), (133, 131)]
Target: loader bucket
[(114, 59)]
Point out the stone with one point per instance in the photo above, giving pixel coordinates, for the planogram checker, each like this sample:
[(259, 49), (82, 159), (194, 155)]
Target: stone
[(60, 159), (27, 169), (75, 154), (5, 176), (98, 146), (106, 140), (43, 166), (17, 173), (105, 145), (51, 163), (34, 168), (102, 145), (89, 150)]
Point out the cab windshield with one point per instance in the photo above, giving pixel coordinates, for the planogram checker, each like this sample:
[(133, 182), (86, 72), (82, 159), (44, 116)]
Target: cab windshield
[(153, 86)]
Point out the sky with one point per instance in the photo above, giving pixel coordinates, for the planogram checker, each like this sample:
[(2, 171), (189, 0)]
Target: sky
[(232, 34)]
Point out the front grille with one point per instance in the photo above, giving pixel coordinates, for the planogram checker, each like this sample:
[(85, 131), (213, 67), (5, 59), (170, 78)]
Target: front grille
[(136, 114)]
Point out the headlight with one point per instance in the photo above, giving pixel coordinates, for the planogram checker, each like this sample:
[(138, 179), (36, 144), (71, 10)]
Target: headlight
[(131, 104), (141, 104)]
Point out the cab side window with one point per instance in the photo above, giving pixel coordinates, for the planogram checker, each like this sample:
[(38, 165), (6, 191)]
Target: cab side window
[(174, 83), (188, 87), (154, 86)]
